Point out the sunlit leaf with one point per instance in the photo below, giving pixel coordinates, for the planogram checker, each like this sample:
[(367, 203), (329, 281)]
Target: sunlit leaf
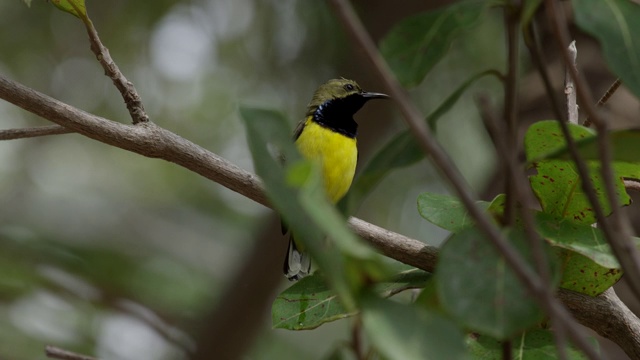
[(479, 290), (73, 7), (409, 332), (557, 184), (545, 138), (615, 24), (413, 47), (583, 275)]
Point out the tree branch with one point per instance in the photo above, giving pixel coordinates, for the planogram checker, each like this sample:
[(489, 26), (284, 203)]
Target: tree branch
[(126, 88), (152, 141), (53, 352), (569, 87), (12, 134)]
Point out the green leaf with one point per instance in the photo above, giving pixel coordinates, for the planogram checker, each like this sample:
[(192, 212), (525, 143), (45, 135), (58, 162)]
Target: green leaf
[(478, 289), (583, 275), (446, 211), (557, 183), (413, 47), (269, 140), (558, 187), (409, 332), (624, 144), (615, 24), (73, 7), (581, 238), (536, 344), (529, 9), (310, 303), (27, 2), (306, 305), (543, 139)]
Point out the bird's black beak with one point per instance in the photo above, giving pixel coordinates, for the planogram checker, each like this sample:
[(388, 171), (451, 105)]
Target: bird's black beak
[(373, 95)]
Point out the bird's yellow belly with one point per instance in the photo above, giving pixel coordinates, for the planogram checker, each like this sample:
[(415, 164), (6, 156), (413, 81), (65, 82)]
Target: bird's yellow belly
[(336, 153)]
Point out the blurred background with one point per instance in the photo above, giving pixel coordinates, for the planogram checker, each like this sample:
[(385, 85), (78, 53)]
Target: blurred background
[(108, 253)]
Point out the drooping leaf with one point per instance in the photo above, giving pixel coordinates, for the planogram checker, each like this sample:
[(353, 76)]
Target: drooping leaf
[(478, 289), (615, 24), (73, 7), (413, 47), (581, 238), (538, 344), (310, 302), (409, 332)]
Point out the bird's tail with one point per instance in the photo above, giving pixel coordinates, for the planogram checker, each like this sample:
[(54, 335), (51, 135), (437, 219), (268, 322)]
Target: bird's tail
[(297, 264)]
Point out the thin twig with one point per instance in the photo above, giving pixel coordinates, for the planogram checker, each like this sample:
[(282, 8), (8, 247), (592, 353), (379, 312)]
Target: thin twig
[(532, 43), (53, 352), (603, 100), (126, 88), (521, 192), (618, 230), (12, 134), (413, 118), (511, 138), (569, 87)]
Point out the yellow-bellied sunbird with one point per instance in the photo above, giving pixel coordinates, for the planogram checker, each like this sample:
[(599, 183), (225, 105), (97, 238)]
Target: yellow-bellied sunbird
[(328, 135)]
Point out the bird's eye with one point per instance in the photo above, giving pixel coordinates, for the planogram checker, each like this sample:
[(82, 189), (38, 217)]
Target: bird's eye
[(349, 87)]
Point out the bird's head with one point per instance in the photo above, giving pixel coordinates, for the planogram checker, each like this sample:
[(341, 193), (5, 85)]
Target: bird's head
[(345, 94)]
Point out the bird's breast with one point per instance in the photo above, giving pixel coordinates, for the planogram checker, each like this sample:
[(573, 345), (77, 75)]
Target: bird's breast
[(336, 153)]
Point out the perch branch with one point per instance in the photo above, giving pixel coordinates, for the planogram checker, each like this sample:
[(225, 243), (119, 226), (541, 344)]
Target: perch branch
[(152, 141)]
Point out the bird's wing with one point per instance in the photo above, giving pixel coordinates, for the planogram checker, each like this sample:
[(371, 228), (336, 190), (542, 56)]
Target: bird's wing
[(298, 130)]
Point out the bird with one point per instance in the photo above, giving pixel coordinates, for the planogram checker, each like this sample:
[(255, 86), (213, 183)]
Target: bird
[(327, 135)]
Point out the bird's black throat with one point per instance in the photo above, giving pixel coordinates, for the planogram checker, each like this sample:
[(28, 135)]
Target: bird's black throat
[(337, 114)]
